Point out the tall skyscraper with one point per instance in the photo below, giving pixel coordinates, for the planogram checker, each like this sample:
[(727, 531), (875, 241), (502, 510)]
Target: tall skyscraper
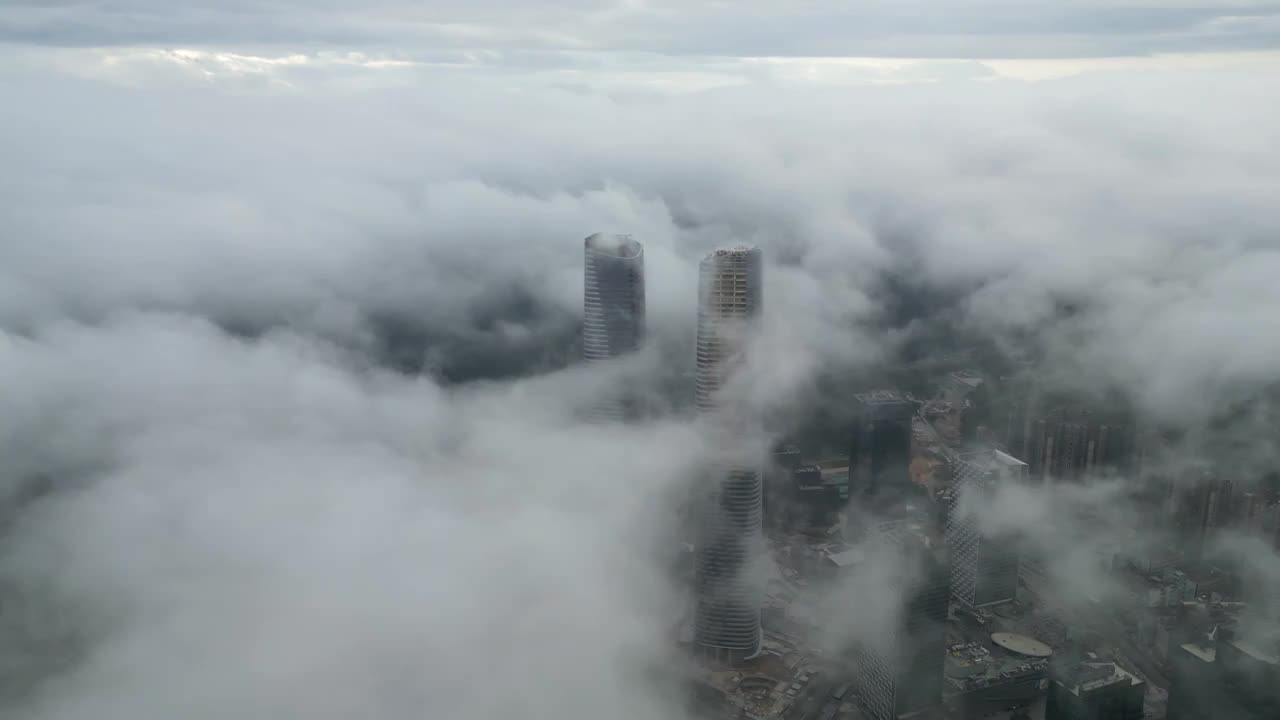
[(880, 450), (984, 570), (728, 595), (613, 309), (901, 673)]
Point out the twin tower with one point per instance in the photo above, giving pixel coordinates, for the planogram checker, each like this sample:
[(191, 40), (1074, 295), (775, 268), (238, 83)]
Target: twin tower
[(727, 590)]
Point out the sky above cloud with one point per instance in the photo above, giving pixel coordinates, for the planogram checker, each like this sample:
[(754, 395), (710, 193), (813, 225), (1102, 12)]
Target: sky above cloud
[(916, 28)]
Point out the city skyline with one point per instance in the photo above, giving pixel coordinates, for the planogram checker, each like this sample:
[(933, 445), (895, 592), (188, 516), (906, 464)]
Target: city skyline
[(303, 373)]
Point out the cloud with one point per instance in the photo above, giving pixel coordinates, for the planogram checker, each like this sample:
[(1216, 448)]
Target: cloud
[(312, 536), (289, 336), (368, 211)]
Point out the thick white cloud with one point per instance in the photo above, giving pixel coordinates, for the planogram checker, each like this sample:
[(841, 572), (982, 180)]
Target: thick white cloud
[(267, 530), (208, 254), (419, 199)]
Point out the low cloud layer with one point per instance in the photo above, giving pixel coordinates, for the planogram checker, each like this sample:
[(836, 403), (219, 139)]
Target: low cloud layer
[(261, 528), (1133, 238)]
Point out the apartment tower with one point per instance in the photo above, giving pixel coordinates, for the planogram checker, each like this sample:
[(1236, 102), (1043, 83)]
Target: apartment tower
[(613, 310)]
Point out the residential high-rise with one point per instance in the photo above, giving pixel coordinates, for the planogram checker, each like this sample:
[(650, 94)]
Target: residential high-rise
[(984, 570), (728, 595), (902, 672), (1202, 505), (1067, 444), (613, 308), (880, 449), (731, 292)]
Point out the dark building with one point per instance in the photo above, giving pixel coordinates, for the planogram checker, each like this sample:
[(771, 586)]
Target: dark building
[(805, 498), (880, 450), (613, 310), (902, 672), (1202, 504), (1094, 690), (729, 529), (779, 484), (984, 570), (1224, 677), (787, 458)]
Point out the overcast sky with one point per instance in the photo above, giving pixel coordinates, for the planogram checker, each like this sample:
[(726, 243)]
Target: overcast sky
[(892, 28), (249, 251)]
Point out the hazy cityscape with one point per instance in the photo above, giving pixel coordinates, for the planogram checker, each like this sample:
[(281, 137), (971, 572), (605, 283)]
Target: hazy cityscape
[(639, 360), (941, 545)]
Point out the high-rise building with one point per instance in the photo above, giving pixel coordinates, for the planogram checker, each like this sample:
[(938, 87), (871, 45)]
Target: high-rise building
[(1094, 690), (731, 293), (880, 449), (984, 570), (1067, 444), (613, 309), (902, 672), (1202, 509), (1224, 677), (779, 484), (728, 594)]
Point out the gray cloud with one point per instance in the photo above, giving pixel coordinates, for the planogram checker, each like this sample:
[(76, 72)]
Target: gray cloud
[(938, 28)]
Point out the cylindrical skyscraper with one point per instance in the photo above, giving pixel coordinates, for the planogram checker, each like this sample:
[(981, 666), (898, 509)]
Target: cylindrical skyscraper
[(613, 307), (728, 591), (729, 301)]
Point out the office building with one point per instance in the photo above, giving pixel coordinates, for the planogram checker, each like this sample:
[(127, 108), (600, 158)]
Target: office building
[(1222, 676), (727, 596), (1093, 689), (984, 570), (901, 672), (779, 485), (613, 310), (880, 449)]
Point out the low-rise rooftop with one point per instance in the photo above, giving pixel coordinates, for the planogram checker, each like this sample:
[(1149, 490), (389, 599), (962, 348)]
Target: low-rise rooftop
[(1090, 675)]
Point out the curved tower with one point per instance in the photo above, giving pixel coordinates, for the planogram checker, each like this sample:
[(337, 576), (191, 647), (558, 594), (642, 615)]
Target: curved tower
[(613, 306), (728, 593)]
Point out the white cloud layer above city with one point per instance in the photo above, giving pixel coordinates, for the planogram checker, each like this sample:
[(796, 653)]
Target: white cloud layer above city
[(211, 213)]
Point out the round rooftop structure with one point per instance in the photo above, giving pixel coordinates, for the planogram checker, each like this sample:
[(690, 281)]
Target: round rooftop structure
[(1021, 645), (621, 246)]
